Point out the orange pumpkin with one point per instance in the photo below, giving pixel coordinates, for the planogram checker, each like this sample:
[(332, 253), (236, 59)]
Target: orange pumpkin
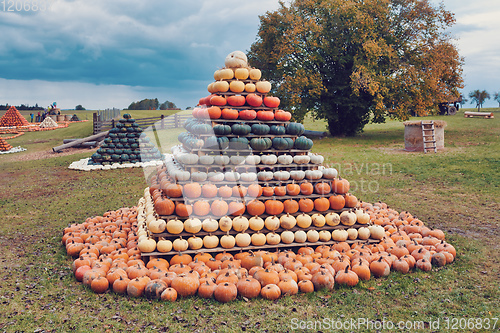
[(306, 205), (274, 207), (321, 204), (192, 190), (256, 207), (290, 206)]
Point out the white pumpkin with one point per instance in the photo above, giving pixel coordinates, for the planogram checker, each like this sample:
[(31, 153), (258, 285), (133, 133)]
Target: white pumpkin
[(254, 74), (304, 220), (195, 243), (175, 226), (318, 220), (263, 86), (330, 173), (240, 223), (224, 74), (199, 176), (363, 233), (256, 223), (157, 226), (248, 176), (301, 159), (206, 160), (273, 238), (347, 217), (272, 223), (377, 231), (300, 236), (362, 217), (227, 241), (243, 239), (215, 177), (297, 174), (285, 159), (258, 239), (312, 235), (269, 159), (231, 176), (180, 244), (210, 224), (236, 59), (287, 237), (210, 241), (164, 245), (252, 159), (265, 176), (147, 245), (339, 235), (325, 235), (192, 225), (281, 175), (180, 175), (187, 158), (352, 233), (332, 219), (221, 159), (316, 158), (287, 221), (225, 223), (314, 174), (241, 73), (237, 159)]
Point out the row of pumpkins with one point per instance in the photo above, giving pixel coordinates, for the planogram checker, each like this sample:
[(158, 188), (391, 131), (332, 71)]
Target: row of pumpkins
[(272, 230), (107, 259)]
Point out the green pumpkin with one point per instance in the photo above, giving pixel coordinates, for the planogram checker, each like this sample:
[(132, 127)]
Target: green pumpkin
[(108, 140), (211, 142), (119, 125), (110, 151), (289, 143), (241, 129), (115, 157), (222, 129), (201, 128), (260, 129), (280, 143), (295, 129), (261, 143), (277, 130), (303, 143), (238, 143), (127, 116), (223, 142)]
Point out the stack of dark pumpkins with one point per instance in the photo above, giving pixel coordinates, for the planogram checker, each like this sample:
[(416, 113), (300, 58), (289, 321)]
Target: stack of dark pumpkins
[(125, 144)]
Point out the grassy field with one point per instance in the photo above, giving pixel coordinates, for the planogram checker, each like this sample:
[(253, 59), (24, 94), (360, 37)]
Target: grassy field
[(456, 190)]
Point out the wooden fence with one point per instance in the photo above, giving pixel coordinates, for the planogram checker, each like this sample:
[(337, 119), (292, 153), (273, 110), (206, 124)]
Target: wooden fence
[(173, 121)]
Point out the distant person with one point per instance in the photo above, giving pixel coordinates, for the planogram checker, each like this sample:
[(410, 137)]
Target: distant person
[(38, 117), (32, 115)]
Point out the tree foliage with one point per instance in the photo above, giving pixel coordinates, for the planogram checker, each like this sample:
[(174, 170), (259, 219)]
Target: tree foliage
[(355, 61), (79, 107), (478, 97), (167, 105), (496, 97), (145, 104)]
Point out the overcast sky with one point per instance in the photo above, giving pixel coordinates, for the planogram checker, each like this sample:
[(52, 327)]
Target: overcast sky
[(104, 54)]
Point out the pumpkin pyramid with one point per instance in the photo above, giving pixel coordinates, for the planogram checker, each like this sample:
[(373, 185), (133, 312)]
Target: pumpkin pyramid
[(48, 122), (13, 118), (243, 177), (125, 144), (4, 146)]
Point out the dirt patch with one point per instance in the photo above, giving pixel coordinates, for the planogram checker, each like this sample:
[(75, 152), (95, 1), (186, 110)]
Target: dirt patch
[(49, 154)]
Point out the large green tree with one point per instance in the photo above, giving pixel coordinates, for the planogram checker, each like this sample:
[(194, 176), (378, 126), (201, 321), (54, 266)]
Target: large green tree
[(478, 97), (355, 61)]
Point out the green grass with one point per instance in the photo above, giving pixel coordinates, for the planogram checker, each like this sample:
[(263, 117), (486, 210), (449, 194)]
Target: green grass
[(456, 190)]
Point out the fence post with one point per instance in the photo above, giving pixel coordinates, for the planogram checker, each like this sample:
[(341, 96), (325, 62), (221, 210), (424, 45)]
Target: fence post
[(162, 122), (112, 123), (176, 120), (94, 122)]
